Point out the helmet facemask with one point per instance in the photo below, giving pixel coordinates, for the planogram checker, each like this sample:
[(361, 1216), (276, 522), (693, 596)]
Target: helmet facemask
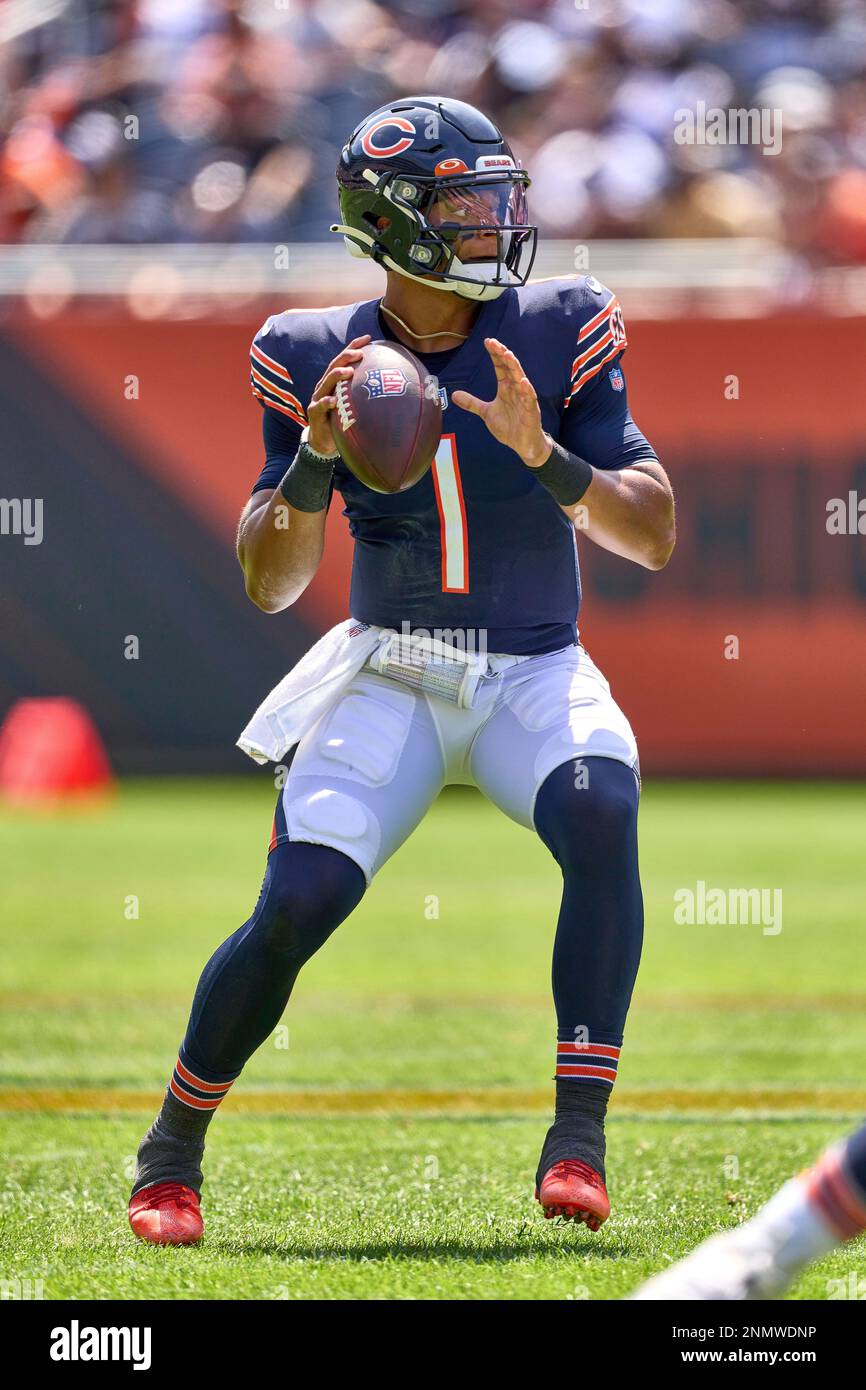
[(467, 233)]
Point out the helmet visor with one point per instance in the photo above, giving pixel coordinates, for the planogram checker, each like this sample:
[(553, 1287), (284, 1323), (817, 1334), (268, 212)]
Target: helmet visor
[(481, 220)]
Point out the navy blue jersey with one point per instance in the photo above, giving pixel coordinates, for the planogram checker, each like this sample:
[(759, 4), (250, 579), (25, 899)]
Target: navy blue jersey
[(478, 545)]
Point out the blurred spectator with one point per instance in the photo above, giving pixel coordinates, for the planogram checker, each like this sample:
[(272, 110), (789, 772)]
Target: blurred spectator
[(220, 120)]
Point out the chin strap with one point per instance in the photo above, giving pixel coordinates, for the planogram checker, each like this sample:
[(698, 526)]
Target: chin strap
[(362, 244)]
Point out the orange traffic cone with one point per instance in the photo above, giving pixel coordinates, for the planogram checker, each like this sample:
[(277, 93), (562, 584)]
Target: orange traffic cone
[(49, 750)]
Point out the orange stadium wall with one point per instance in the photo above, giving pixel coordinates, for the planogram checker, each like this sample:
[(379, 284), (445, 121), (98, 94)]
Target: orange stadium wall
[(747, 655)]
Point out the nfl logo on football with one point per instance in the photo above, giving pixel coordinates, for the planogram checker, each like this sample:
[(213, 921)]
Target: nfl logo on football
[(385, 381)]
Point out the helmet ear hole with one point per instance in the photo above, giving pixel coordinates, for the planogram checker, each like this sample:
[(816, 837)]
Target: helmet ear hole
[(377, 222)]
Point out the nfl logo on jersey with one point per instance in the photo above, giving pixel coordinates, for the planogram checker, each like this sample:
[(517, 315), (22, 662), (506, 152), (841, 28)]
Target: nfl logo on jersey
[(385, 381), (616, 378)]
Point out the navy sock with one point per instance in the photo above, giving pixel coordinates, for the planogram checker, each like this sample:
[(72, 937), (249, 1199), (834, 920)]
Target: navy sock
[(586, 814), (855, 1160), (578, 1128)]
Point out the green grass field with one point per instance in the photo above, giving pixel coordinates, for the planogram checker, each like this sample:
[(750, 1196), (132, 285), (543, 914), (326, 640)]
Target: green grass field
[(384, 1146)]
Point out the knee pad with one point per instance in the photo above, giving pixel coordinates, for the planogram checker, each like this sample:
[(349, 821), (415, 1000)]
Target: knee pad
[(309, 889), (338, 820), (588, 808)]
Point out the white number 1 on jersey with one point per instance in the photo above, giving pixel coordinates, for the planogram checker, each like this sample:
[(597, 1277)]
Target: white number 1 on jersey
[(452, 517)]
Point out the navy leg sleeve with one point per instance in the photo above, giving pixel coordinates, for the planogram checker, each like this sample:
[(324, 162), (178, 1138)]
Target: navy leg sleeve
[(308, 890), (586, 814)]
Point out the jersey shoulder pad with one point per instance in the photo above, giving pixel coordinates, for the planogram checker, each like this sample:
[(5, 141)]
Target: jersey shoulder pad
[(599, 334), (566, 297), (272, 383), (290, 352), (583, 322)]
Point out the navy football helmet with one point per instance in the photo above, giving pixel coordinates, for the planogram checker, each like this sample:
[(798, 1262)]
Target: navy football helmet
[(429, 187)]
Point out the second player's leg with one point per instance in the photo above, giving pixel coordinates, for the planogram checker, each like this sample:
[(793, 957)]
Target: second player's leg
[(759, 1259)]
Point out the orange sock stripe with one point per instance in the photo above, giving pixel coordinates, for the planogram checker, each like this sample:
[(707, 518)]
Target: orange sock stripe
[(838, 1183), (604, 1073), (192, 1100), (200, 1085)]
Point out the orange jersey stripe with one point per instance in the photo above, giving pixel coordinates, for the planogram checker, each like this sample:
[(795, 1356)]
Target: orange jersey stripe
[(590, 353), (589, 375), (255, 351), (278, 391), (284, 408), (593, 323)]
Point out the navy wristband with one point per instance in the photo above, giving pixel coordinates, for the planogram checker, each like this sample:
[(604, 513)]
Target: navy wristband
[(565, 475), (307, 484)]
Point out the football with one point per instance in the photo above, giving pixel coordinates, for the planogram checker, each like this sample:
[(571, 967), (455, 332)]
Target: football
[(388, 419)]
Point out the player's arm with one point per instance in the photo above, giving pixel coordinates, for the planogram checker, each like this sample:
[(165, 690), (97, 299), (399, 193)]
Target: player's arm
[(281, 534), (629, 511), (626, 507), (279, 548)]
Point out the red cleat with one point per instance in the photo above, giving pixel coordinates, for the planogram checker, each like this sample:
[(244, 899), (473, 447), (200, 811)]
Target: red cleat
[(575, 1191), (166, 1213)]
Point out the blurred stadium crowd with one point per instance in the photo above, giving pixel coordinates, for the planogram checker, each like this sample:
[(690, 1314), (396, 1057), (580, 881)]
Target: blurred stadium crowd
[(219, 120)]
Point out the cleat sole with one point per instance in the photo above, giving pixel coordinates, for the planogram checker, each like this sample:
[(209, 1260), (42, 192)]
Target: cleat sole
[(569, 1211), (576, 1214), (166, 1214)]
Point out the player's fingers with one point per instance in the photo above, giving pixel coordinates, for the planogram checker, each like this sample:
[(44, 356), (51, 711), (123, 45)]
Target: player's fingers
[(330, 379), (353, 350), (321, 405), (514, 369), (350, 353), (470, 403), (508, 393), (505, 364), (496, 351), (515, 387), (527, 390)]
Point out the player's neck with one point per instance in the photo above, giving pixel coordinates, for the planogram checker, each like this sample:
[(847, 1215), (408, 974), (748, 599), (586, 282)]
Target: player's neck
[(426, 319)]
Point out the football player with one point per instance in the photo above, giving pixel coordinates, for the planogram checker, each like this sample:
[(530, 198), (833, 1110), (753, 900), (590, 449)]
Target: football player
[(537, 446), (808, 1217)]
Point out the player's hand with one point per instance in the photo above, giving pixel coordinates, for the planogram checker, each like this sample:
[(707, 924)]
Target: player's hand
[(513, 416), (323, 400)]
